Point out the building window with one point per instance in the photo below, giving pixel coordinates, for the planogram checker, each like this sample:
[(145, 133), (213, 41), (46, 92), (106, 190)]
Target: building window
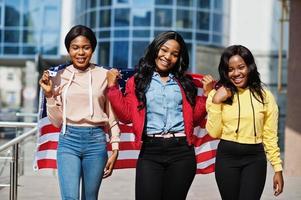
[(184, 2), (217, 23), (12, 13), (203, 4), (203, 20), (105, 18), (141, 33), (164, 2), (120, 58), (138, 51), (106, 2), (121, 33), (51, 12), (10, 77), (218, 5), (11, 50), (141, 17), (122, 17), (1, 13), (184, 19), (163, 17), (104, 53)]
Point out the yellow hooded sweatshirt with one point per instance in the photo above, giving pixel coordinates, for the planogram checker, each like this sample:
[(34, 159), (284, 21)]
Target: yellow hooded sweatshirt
[(246, 121)]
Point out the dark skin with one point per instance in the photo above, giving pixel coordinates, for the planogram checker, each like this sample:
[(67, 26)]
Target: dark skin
[(80, 52), (238, 73)]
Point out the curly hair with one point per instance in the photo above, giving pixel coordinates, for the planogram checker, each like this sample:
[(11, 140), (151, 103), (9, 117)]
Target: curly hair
[(147, 66), (253, 81)]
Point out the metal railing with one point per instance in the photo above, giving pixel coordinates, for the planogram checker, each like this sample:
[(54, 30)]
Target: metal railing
[(14, 144)]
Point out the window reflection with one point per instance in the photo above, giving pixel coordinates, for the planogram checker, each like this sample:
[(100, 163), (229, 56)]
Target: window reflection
[(12, 16), (184, 19), (203, 20), (30, 37), (121, 33), (164, 2), (120, 58), (11, 50), (202, 37), (105, 2), (92, 19), (141, 33), (217, 22), (11, 36), (186, 35), (203, 4), (217, 39), (50, 18), (143, 3), (185, 2), (104, 53), (141, 17), (218, 4), (122, 17), (104, 34), (163, 17), (30, 50), (49, 43), (105, 18), (138, 51)]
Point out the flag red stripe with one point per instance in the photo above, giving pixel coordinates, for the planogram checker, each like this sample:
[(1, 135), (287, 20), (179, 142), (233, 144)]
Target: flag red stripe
[(126, 146), (200, 141), (206, 170), (202, 157), (46, 163), (48, 145), (49, 128), (129, 163)]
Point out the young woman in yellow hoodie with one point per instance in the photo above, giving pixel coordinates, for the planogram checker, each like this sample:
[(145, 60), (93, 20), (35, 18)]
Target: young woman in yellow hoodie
[(244, 115)]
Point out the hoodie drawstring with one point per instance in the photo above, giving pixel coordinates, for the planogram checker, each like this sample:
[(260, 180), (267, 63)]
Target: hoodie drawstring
[(64, 103), (90, 94), (238, 122), (254, 125)]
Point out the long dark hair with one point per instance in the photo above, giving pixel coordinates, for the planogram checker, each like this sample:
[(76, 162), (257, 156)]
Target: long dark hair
[(147, 66), (253, 82)]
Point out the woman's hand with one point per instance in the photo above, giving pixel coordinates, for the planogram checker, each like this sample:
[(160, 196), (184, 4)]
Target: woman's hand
[(208, 82), (222, 94), (46, 84), (110, 164), (112, 76), (278, 183)]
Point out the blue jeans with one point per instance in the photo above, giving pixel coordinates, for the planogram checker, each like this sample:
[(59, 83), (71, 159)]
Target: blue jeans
[(81, 155)]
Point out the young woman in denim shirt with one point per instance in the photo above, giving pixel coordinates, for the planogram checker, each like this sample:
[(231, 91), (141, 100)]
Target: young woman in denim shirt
[(162, 104)]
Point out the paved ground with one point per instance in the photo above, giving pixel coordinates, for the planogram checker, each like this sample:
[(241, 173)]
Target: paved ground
[(42, 185)]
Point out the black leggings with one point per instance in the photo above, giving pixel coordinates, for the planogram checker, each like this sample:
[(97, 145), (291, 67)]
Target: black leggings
[(240, 170), (165, 169)]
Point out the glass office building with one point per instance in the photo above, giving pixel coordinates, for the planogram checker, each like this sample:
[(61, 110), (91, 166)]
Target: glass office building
[(29, 27), (125, 27)]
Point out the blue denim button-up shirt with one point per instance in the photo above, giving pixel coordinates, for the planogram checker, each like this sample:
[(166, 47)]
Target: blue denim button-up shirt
[(164, 106)]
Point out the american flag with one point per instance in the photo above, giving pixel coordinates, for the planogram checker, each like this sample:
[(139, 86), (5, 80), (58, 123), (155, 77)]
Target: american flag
[(47, 141)]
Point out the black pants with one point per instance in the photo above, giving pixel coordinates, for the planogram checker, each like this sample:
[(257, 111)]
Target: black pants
[(240, 170), (165, 169)]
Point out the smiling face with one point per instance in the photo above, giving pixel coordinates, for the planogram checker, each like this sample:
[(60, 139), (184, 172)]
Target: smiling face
[(238, 71), (167, 56), (80, 51)]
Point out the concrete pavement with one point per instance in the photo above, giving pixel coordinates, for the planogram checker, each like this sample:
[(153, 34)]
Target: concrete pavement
[(43, 185)]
